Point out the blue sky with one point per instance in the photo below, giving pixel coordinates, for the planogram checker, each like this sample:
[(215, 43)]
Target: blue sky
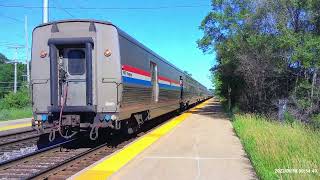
[(168, 27)]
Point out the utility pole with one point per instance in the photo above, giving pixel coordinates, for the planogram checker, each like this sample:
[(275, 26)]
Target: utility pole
[(15, 70), (15, 62), (45, 11), (27, 49)]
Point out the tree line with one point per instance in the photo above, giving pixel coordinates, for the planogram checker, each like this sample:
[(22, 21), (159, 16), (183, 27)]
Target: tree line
[(267, 52), (7, 75)]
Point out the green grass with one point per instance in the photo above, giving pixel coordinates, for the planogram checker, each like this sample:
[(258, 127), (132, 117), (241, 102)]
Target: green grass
[(10, 114), (271, 145)]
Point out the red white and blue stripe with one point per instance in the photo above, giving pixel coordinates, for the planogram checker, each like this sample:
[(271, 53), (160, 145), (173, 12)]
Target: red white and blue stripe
[(136, 76)]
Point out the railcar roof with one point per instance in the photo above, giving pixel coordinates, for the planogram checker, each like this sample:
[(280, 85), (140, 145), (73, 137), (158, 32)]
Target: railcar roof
[(121, 32)]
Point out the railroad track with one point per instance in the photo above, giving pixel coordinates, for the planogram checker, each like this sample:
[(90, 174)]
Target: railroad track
[(23, 144), (27, 166), (40, 163), (77, 163), (18, 144), (115, 143), (11, 138), (67, 159)]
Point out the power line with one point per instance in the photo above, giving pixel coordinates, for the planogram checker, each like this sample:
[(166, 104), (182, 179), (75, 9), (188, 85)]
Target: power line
[(106, 8), (63, 9), (9, 44), (11, 87), (13, 19), (6, 82), (6, 43)]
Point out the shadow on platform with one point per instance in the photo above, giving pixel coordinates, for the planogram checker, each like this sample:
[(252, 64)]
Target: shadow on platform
[(212, 109)]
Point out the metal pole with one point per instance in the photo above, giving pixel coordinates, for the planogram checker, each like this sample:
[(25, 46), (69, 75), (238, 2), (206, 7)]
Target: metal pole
[(27, 54), (45, 11), (15, 71), (16, 47)]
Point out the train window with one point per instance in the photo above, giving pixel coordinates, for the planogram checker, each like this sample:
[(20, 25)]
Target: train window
[(76, 62)]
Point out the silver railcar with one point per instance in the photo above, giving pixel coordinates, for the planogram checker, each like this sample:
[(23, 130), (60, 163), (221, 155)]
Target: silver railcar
[(89, 74)]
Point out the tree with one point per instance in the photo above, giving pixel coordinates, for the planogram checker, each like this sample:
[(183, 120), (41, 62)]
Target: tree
[(7, 75), (3, 58), (266, 50)]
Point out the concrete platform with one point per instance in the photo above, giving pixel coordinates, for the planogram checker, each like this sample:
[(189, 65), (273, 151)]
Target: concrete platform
[(11, 126), (203, 146)]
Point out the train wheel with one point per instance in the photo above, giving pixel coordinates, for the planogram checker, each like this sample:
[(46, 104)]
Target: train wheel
[(130, 126)]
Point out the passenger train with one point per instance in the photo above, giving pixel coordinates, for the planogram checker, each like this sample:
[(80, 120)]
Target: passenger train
[(88, 74)]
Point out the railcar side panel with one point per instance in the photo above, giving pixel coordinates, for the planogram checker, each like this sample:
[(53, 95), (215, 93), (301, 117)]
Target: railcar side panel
[(137, 87), (40, 71), (108, 70)]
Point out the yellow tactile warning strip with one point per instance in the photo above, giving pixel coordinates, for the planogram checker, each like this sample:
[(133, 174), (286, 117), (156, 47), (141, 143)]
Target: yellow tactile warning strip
[(15, 126), (107, 167)]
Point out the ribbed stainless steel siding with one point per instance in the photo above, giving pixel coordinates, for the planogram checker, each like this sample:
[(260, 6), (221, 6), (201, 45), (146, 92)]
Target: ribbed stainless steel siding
[(136, 95)]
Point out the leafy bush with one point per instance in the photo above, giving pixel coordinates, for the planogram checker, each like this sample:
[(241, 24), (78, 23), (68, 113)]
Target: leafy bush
[(235, 109), (289, 118), (315, 121), (7, 77), (302, 95), (19, 100)]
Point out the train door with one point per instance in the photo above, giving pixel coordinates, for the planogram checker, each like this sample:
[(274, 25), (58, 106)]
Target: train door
[(181, 88), (74, 65), (154, 81)]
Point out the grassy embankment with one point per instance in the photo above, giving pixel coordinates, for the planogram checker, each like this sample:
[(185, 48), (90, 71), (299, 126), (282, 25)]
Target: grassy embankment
[(11, 114), (274, 148), (16, 105)]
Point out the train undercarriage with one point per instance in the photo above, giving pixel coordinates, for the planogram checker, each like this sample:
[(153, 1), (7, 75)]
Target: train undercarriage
[(70, 124)]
